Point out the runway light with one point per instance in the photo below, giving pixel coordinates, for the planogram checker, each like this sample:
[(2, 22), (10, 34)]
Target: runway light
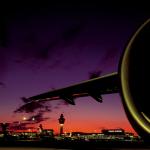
[(61, 125), (24, 118), (33, 119)]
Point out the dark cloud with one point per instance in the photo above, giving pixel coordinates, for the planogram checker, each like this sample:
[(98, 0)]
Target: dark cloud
[(37, 55), (39, 117), (47, 51), (71, 33), (111, 54), (43, 54), (3, 85), (40, 107), (34, 46), (51, 45), (55, 64), (95, 74), (62, 103), (29, 107), (65, 38), (47, 109), (56, 107), (25, 100), (26, 124), (18, 61)]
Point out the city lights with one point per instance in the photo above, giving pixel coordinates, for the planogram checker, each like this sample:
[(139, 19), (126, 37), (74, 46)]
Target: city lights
[(33, 119), (24, 118)]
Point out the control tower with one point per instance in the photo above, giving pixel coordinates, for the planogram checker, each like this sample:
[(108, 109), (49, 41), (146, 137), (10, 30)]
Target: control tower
[(61, 123)]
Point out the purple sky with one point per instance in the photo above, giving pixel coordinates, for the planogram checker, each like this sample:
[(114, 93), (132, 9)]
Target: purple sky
[(52, 48)]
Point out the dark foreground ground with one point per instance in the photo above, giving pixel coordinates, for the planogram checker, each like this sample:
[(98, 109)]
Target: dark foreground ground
[(31, 148), (76, 144)]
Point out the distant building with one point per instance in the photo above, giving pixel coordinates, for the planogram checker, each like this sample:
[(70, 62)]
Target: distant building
[(106, 134), (113, 131), (48, 133)]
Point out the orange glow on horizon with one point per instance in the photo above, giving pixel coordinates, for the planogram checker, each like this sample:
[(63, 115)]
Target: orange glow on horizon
[(82, 127), (87, 125), (75, 125)]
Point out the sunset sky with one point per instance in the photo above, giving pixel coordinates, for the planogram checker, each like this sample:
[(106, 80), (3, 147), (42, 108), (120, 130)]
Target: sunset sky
[(47, 46)]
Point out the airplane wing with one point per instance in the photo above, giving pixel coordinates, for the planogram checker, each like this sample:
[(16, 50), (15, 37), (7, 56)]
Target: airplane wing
[(106, 84)]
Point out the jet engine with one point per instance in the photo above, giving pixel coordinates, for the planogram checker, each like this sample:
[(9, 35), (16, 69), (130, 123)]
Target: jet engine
[(134, 75)]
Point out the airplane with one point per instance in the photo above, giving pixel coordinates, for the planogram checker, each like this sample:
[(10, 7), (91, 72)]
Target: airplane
[(131, 82)]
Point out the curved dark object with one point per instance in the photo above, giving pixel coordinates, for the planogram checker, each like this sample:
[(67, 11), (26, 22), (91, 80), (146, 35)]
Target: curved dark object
[(133, 73)]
